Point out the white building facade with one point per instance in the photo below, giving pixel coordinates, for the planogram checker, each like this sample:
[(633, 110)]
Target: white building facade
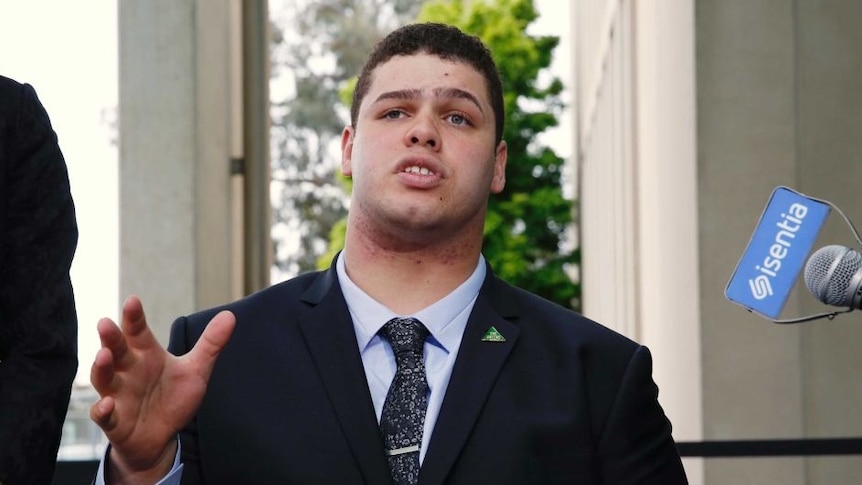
[(689, 114)]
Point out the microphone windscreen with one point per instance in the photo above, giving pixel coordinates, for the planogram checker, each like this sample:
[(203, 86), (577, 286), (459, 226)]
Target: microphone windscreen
[(829, 273)]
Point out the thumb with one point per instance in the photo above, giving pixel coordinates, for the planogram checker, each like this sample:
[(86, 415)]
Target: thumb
[(212, 341)]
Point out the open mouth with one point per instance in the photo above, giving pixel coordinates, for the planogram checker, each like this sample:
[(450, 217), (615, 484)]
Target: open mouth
[(418, 170)]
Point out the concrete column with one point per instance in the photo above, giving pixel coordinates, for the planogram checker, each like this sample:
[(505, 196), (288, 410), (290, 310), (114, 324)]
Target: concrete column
[(259, 253), (177, 115), (746, 145), (638, 199), (829, 165), (665, 188)]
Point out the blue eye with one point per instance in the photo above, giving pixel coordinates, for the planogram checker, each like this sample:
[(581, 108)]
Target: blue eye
[(457, 119)]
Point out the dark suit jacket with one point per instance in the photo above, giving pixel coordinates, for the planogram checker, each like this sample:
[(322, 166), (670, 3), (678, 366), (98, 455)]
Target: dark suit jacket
[(38, 324), (562, 400)]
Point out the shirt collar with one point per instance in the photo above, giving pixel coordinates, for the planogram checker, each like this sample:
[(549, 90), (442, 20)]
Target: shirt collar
[(440, 318)]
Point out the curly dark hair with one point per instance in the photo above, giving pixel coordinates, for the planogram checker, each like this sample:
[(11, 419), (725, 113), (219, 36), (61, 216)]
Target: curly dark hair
[(444, 41)]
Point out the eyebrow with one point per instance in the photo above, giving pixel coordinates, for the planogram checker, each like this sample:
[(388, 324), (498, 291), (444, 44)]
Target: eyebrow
[(453, 93)]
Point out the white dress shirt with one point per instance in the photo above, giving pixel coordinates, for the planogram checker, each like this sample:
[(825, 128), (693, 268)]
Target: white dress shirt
[(445, 320)]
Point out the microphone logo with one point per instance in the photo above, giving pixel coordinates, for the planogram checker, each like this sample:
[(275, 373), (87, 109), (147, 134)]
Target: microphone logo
[(769, 267), (760, 287)]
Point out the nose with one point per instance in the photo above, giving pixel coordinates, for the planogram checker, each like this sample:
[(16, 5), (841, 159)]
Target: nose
[(415, 140), (423, 132)]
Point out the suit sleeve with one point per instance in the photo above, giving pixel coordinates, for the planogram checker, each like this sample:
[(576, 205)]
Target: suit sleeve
[(38, 322), (636, 447)]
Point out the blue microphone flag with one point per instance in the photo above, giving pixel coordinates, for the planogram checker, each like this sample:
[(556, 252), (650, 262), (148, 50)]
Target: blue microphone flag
[(779, 246)]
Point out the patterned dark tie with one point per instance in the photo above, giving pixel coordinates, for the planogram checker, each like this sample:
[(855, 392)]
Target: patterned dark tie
[(403, 415)]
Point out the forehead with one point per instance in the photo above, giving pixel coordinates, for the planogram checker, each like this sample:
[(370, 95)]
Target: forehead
[(427, 73)]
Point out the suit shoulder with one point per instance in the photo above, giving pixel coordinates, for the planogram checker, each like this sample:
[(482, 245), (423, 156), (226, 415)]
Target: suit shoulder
[(285, 298), (281, 294), (21, 106), (538, 315)]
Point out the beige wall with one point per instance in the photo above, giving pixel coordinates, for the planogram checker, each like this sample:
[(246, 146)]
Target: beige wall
[(690, 114), (637, 192), (746, 133), (779, 105)]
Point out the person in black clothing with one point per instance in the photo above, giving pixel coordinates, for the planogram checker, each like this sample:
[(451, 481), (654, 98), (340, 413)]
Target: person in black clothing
[(38, 321)]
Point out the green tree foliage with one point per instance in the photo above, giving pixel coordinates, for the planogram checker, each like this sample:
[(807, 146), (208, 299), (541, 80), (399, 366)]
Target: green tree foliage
[(528, 223)]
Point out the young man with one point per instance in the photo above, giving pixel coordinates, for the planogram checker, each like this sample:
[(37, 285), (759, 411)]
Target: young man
[(499, 386)]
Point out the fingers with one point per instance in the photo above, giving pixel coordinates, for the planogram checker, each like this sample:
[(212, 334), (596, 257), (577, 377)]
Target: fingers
[(134, 323), (133, 333), (124, 348), (103, 375), (102, 413), (217, 333), (212, 341), (131, 363), (111, 336), (102, 371)]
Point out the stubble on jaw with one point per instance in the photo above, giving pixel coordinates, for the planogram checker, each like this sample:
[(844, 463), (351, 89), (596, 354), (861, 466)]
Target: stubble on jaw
[(437, 243)]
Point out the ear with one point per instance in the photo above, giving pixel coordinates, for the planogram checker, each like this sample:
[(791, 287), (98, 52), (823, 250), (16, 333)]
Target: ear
[(498, 182), (347, 151)]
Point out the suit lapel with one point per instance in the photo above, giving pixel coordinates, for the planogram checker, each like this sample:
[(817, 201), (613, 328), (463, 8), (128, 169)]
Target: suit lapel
[(476, 368), (332, 343)]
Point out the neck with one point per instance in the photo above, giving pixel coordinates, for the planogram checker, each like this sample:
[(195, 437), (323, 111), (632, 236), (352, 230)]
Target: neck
[(409, 277)]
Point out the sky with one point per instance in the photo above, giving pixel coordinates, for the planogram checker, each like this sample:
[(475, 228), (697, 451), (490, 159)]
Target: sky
[(68, 52)]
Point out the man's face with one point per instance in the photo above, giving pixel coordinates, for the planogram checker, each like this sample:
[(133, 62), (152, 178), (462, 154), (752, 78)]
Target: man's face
[(422, 154)]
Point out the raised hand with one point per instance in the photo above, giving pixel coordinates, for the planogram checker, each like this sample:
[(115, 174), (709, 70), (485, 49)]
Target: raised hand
[(147, 394)]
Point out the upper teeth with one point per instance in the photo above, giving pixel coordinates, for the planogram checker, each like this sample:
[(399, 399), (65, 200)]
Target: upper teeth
[(421, 171)]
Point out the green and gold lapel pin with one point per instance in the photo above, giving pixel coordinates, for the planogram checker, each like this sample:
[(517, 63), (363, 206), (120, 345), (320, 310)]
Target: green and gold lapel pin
[(492, 335)]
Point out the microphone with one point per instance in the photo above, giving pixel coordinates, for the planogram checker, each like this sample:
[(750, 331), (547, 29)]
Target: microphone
[(833, 274), (777, 250)]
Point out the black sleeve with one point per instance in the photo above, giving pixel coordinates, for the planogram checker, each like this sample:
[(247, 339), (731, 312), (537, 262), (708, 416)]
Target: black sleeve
[(38, 322), (637, 447)]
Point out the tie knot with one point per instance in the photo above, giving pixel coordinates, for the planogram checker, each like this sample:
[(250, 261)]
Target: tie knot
[(405, 335)]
